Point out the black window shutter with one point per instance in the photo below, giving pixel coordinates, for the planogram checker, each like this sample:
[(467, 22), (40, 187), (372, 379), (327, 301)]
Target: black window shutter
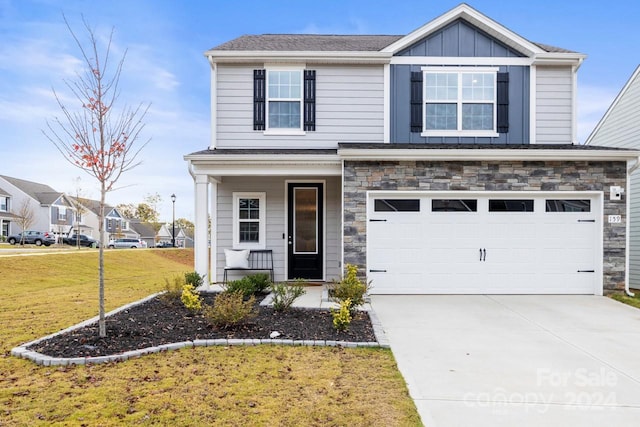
[(259, 97), (309, 100), (503, 102), (416, 101)]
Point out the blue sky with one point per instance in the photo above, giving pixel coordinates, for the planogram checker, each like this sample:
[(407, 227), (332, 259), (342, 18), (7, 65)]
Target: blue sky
[(165, 66)]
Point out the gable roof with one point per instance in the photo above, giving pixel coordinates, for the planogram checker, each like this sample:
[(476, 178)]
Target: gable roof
[(376, 47), (93, 205), (40, 192), (634, 79), (4, 193), (144, 229)]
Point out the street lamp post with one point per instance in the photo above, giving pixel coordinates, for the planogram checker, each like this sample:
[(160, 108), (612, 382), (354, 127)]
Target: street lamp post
[(173, 222)]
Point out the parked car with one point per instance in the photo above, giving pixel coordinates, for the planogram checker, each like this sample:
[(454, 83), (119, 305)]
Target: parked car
[(83, 240), (127, 243), (164, 245), (37, 238)]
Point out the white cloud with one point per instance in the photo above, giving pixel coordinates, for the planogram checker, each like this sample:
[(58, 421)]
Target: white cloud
[(593, 102)]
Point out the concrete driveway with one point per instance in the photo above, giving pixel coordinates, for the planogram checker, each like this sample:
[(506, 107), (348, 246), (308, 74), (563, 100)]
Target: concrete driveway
[(507, 360)]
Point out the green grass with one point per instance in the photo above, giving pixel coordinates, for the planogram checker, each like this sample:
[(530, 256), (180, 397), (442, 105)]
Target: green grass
[(261, 385), (626, 299)]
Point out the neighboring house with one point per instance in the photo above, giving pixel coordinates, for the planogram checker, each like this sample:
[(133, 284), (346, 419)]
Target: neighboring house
[(620, 127), (442, 161), (52, 210), (115, 224), (182, 238), (5, 214), (144, 230)]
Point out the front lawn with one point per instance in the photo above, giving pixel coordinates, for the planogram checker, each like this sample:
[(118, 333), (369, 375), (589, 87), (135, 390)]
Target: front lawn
[(624, 298), (259, 385)]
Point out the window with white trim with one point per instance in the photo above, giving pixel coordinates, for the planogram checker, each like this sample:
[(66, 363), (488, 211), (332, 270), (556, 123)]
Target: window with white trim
[(62, 214), (459, 102), (4, 204), (284, 99), (249, 220)]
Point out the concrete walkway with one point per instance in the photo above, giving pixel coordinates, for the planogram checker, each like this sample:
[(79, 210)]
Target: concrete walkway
[(516, 360)]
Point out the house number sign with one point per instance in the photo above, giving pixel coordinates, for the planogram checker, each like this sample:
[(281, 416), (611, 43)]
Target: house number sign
[(615, 219)]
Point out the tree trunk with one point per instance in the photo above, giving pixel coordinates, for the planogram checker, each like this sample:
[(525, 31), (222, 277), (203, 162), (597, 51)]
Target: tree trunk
[(101, 323)]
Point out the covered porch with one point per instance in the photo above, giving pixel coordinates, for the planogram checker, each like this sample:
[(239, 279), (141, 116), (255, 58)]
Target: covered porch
[(285, 201)]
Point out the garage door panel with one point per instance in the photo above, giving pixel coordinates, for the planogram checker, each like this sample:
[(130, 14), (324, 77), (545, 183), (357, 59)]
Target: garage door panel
[(484, 252)]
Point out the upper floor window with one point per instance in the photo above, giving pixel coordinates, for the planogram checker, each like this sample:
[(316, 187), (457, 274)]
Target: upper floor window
[(4, 204), (62, 214), (469, 101), (284, 100), (460, 102)]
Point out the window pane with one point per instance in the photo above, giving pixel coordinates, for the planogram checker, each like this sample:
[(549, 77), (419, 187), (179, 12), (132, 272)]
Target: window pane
[(477, 87), (284, 114), (249, 232), (396, 205), (449, 205), (441, 86), (441, 116), (477, 116), (284, 84), (510, 205), (568, 205), (306, 220), (249, 208)]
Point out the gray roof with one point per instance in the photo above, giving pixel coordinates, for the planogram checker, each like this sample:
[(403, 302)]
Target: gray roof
[(309, 42), (40, 192), (92, 205), (144, 229), (325, 42), (277, 151), (379, 146)]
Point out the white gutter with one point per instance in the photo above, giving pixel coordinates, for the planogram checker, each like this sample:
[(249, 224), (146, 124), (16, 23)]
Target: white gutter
[(630, 170), (214, 103)]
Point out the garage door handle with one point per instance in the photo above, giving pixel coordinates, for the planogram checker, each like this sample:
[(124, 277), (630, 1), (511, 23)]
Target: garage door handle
[(377, 220), (586, 271), (586, 220), (377, 271)]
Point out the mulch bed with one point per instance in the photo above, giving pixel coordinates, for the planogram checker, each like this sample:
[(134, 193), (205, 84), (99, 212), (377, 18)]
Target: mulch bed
[(155, 322)]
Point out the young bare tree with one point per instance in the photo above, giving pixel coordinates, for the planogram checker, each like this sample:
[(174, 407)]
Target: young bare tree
[(98, 135), (25, 217)]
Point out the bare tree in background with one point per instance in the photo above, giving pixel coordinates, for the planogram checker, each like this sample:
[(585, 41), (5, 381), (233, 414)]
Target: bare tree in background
[(98, 135), (25, 217)]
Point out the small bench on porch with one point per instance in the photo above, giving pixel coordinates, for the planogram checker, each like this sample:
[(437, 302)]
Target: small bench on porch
[(248, 260)]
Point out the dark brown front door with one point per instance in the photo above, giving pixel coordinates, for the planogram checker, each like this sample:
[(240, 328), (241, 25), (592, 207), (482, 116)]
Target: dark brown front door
[(305, 231)]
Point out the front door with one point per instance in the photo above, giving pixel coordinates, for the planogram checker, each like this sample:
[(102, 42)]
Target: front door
[(305, 231)]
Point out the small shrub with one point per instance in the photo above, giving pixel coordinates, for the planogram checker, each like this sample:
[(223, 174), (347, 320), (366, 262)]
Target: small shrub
[(191, 298), (194, 279), (230, 309), (244, 286), (284, 294), (342, 316), (351, 288), (260, 281), (172, 290)]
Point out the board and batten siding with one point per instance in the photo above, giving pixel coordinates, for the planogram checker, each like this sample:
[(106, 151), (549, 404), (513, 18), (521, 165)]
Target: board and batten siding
[(349, 107), (621, 128), (276, 226), (554, 105)]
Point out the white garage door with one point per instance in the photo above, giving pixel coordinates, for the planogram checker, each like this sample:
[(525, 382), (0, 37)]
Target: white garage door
[(485, 244)]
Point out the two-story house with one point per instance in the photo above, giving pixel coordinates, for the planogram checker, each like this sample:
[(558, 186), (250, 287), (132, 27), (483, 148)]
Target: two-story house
[(5, 214), (52, 210), (116, 225), (441, 161)]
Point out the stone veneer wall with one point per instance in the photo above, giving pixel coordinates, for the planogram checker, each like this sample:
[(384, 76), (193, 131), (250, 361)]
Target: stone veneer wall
[(360, 176)]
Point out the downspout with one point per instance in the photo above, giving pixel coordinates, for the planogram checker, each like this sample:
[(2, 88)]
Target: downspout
[(214, 103), (630, 170)]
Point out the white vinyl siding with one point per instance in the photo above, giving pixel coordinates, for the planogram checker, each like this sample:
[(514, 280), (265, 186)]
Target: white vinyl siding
[(554, 105), (275, 191), (349, 107), (621, 128)]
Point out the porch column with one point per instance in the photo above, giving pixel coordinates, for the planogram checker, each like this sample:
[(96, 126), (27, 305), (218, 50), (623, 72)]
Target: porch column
[(200, 238), (214, 230)]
